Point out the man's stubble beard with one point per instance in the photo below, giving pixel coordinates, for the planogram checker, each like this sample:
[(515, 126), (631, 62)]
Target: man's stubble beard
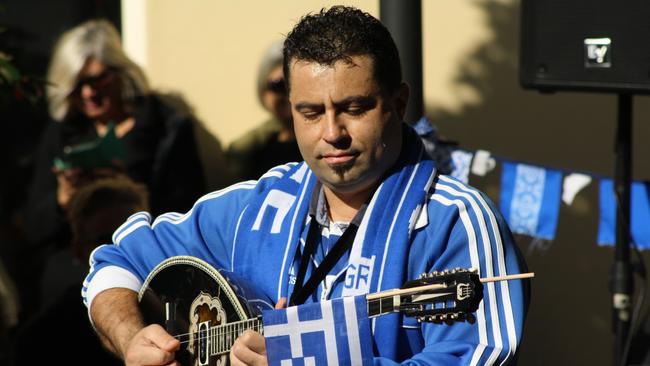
[(340, 170)]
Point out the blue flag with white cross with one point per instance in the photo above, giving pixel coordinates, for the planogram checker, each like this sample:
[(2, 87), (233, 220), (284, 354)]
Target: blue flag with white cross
[(333, 332)]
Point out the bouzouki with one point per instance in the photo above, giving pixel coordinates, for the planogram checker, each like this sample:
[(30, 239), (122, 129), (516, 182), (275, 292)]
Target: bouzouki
[(207, 308)]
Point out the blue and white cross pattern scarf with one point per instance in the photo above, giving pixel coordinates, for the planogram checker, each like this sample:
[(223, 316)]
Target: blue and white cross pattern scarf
[(530, 199), (334, 332)]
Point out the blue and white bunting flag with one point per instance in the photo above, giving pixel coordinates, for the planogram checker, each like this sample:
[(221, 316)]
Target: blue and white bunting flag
[(461, 161), (530, 199), (334, 332), (573, 184), (482, 163), (640, 211)]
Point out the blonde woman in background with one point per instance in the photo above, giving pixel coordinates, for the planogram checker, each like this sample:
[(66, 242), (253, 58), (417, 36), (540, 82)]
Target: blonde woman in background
[(94, 87)]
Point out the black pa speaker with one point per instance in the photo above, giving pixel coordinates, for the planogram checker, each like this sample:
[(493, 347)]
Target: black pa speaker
[(588, 45)]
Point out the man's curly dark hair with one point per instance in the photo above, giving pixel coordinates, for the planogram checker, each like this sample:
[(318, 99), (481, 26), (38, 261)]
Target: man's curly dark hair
[(337, 34)]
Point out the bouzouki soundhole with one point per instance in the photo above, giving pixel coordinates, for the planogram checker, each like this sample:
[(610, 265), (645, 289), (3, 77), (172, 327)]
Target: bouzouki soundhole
[(205, 311)]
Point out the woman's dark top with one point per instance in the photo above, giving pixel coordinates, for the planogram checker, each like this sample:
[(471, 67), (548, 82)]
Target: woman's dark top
[(161, 152)]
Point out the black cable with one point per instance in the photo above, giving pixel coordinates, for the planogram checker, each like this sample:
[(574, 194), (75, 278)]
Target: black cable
[(640, 269), (636, 313)]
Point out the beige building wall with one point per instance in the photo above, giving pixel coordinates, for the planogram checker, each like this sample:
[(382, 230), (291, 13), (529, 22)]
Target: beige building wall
[(209, 50)]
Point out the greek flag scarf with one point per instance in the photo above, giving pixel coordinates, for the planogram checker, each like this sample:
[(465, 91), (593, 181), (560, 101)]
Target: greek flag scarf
[(276, 218)]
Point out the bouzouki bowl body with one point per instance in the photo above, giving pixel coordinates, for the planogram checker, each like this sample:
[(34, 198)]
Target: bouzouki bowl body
[(186, 295)]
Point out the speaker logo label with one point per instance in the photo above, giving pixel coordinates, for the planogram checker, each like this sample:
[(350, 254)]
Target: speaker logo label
[(598, 52)]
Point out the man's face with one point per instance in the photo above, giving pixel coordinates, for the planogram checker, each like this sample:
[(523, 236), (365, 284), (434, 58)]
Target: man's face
[(348, 132)]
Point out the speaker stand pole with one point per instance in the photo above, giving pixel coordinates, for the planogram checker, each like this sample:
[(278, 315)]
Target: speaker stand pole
[(622, 281), (404, 21)]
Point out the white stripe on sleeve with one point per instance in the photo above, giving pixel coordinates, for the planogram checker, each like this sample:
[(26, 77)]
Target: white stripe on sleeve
[(110, 277), (487, 270), (473, 252), (505, 289)]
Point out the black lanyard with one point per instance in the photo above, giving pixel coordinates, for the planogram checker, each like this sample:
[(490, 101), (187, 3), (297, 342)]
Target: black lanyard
[(302, 292)]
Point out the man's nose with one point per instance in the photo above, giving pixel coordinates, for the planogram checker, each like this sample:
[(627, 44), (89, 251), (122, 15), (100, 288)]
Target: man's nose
[(334, 129)]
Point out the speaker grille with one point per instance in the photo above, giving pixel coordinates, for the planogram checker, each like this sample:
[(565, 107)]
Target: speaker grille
[(564, 45)]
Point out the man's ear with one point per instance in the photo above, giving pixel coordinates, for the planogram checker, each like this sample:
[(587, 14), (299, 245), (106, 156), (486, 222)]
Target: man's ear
[(401, 99)]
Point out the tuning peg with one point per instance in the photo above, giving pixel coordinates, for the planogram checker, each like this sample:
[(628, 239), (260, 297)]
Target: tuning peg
[(422, 275), (470, 318)]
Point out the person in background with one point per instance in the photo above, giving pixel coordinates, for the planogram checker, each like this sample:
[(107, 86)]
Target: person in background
[(95, 212), (95, 88), (273, 142)]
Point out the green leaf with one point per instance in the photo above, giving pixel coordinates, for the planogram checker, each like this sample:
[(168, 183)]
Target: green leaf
[(9, 72)]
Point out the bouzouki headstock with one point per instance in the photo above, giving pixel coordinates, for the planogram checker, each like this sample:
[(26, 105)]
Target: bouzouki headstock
[(446, 296)]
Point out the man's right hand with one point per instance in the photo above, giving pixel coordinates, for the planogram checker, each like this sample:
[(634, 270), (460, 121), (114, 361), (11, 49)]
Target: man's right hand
[(119, 324), (152, 345)]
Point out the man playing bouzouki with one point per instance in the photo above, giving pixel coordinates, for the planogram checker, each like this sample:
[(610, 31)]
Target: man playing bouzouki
[(366, 180)]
